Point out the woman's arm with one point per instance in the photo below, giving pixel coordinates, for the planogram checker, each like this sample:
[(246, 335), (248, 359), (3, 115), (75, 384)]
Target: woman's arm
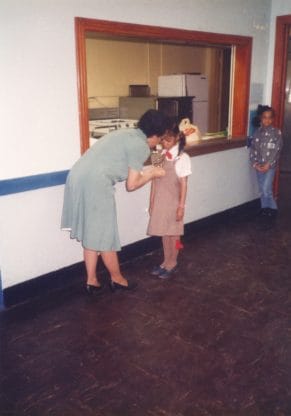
[(137, 179), (182, 198)]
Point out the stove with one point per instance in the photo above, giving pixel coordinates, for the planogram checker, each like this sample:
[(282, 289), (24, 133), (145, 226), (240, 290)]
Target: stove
[(98, 128)]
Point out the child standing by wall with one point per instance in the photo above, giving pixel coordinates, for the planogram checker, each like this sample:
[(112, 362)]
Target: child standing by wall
[(265, 150), (167, 200)]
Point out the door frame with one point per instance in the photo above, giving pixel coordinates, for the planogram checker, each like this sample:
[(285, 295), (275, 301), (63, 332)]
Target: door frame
[(283, 24)]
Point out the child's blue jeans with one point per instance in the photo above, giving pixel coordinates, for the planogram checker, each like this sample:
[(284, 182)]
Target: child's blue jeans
[(265, 181)]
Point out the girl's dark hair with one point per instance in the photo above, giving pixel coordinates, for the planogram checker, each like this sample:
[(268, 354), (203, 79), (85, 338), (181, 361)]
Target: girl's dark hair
[(153, 122), (260, 110), (173, 130)]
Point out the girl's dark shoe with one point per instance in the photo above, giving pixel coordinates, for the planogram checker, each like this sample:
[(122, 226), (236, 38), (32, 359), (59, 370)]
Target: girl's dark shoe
[(167, 273), (262, 212), (271, 212), (94, 290), (114, 286), (157, 270)]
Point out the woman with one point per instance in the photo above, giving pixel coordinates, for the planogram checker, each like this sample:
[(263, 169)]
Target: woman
[(89, 210)]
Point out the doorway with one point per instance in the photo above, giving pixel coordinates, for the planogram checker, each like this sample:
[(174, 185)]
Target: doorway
[(281, 94), (285, 165)]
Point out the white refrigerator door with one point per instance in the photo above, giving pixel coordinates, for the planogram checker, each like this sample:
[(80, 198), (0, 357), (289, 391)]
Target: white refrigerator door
[(171, 86), (181, 85), (197, 86)]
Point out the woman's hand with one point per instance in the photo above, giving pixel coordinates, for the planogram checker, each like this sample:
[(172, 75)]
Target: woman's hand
[(136, 179), (158, 172), (180, 213)]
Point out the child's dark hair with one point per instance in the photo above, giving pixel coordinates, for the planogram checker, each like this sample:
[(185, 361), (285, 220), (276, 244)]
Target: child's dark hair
[(153, 122), (260, 110), (173, 130)]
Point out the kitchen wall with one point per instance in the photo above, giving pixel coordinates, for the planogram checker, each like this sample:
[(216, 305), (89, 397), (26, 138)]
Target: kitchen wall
[(112, 65), (39, 119)]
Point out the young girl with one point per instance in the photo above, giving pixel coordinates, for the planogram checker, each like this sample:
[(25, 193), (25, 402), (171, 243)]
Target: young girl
[(167, 200), (265, 150)]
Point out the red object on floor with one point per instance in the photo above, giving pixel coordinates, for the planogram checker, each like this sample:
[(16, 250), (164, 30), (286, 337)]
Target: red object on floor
[(179, 245)]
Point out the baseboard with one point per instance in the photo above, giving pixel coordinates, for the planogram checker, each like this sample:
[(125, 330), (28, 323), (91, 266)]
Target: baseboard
[(73, 274)]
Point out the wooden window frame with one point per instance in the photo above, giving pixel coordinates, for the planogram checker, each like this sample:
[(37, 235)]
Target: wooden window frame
[(241, 75)]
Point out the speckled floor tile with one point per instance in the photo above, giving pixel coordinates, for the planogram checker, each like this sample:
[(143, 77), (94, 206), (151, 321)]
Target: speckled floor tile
[(215, 339)]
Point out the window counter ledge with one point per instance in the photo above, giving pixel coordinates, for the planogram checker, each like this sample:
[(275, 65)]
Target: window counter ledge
[(215, 145)]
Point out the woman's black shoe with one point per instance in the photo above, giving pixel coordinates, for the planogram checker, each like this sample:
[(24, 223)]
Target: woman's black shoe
[(117, 286), (94, 290)]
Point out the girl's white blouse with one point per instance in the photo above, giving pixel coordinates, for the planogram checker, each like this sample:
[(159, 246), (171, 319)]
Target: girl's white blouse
[(183, 161)]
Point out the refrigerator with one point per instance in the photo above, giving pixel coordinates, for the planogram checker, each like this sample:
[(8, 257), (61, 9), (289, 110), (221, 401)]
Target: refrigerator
[(194, 86)]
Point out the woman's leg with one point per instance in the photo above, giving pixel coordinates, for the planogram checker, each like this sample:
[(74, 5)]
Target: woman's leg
[(91, 259), (111, 262)]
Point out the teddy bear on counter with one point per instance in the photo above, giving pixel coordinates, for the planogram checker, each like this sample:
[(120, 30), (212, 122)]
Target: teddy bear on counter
[(190, 131)]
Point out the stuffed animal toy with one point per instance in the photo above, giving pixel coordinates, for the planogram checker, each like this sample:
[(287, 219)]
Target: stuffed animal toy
[(191, 131)]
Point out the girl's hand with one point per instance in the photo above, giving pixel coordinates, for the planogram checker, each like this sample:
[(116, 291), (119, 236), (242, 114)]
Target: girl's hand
[(257, 166), (180, 213), (262, 167), (265, 167), (158, 172)]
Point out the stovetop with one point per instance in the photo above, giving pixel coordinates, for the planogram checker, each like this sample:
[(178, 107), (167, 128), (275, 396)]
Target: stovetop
[(100, 127)]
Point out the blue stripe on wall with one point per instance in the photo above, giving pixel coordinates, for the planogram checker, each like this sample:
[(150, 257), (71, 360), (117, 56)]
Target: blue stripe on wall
[(30, 183)]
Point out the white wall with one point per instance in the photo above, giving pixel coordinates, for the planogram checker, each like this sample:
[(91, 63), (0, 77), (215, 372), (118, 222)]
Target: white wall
[(32, 243), (39, 111), (39, 116)]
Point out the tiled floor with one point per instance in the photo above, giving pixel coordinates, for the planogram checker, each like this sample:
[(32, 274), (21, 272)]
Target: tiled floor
[(213, 340)]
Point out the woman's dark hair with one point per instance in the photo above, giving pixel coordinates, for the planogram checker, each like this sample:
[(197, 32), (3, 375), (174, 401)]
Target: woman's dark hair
[(260, 110), (153, 122)]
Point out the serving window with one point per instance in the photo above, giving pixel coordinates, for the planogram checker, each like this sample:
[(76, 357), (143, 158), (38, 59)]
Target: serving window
[(112, 56)]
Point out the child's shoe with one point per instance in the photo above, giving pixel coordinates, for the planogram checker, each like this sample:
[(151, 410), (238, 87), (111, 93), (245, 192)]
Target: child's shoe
[(272, 213), (262, 212), (157, 270), (165, 274)]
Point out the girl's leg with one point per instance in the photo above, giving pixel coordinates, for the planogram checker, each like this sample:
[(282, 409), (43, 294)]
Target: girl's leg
[(111, 262), (267, 189), (265, 181), (167, 250), (170, 251), (174, 252), (91, 259), (261, 178)]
